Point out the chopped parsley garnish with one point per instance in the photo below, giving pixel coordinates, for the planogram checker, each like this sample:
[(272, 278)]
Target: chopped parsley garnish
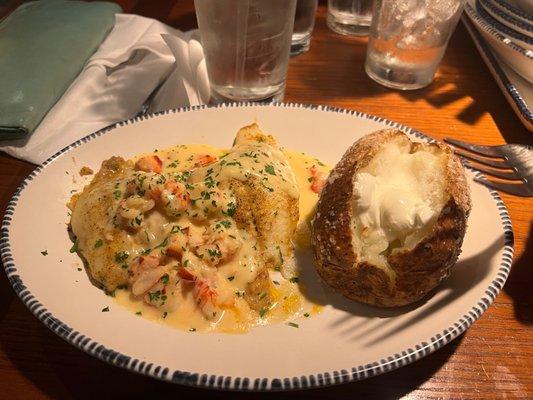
[(98, 243), (230, 278), (275, 282), (44, 253), (192, 329), (293, 325), (125, 266), (225, 224), (214, 253), (138, 313), (79, 269), (175, 229), (117, 194), (188, 186), (209, 181), (121, 256), (165, 279), (263, 311), (165, 314), (267, 187), (105, 309), (183, 176), (232, 208), (310, 179), (262, 296), (294, 279), (154, 295), (164, 243), (74, 247), (306, 315), (269, 169)]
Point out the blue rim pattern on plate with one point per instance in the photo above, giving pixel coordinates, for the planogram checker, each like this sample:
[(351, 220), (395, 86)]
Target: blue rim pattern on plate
[(495, 24), (514, 10), (522, 106), (513, 21), (196, 379), (495, 33)]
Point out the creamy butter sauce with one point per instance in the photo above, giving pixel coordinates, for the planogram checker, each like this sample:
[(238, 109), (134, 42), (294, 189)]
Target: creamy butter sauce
[(289, 301)]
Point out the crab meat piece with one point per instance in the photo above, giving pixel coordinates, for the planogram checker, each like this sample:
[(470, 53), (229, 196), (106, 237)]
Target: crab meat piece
[(133, 206), (206, 298), (204, 292), (204, 160), (149, 164), (147, 279), (318, 179)]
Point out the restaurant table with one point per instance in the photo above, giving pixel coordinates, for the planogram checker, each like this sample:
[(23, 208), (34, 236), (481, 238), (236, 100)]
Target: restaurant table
[(492, 359)]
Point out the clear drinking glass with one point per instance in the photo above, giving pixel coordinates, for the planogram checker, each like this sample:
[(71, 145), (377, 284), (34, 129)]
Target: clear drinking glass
[(304, 22), (350, 17), (246, 45), (408, 39)]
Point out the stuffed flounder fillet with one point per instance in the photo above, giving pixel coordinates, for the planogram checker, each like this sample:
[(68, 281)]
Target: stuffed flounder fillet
[(209, 233)]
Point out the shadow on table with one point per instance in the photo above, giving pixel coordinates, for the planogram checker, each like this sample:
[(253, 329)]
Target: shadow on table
[(518, 285), (475, 82)]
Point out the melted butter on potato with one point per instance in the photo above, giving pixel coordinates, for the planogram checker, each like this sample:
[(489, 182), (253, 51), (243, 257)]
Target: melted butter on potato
[(397, 197)]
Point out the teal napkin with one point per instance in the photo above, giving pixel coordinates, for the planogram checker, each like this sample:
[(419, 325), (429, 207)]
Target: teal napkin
[(43, 47)]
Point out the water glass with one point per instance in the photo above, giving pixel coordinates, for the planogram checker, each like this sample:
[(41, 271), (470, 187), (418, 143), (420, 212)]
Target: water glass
[(350, 17), (246, 45), (304, 22), (408, 39)]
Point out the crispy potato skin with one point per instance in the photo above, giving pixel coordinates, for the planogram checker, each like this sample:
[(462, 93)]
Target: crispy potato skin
[(418, 270)]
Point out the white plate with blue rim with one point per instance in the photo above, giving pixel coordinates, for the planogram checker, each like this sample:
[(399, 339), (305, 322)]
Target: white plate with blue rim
[(345, 342), (508, 49), (513, 10), (524, 5), (521, 39), (507, 18), (516, 89)]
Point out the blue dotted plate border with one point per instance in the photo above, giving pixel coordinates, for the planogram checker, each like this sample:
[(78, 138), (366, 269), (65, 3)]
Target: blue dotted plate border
[(196, 379), (513, 10), (510, 88), (489, 7), (497, 25), (473, 14)]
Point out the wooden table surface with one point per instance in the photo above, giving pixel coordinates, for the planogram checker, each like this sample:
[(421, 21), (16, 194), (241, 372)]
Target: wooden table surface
[(493, 359)]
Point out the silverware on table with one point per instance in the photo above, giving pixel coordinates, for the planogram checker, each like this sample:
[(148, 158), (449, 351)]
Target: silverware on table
[(511, 163)]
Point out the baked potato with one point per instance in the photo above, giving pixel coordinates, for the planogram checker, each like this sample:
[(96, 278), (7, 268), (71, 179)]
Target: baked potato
[(391, 219)]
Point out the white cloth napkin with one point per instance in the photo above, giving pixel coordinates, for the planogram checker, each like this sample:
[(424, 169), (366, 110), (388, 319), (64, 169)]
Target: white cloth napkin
[(132, 63)]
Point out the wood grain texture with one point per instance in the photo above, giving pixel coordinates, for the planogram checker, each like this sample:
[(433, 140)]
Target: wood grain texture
[(493, 359)]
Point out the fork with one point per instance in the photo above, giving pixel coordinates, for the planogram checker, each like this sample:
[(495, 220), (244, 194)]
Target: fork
[(509, 162)]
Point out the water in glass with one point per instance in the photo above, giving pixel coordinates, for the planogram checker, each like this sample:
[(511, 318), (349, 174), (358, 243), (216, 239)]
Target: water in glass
[(304, 21), (350, 17), (246, 45), (408, 39)]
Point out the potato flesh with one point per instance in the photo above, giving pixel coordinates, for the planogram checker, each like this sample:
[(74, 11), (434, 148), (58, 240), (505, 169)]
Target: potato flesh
[(397, 199)]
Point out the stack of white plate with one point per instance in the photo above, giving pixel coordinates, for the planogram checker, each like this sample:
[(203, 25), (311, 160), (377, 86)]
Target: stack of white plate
[(503, 33)]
